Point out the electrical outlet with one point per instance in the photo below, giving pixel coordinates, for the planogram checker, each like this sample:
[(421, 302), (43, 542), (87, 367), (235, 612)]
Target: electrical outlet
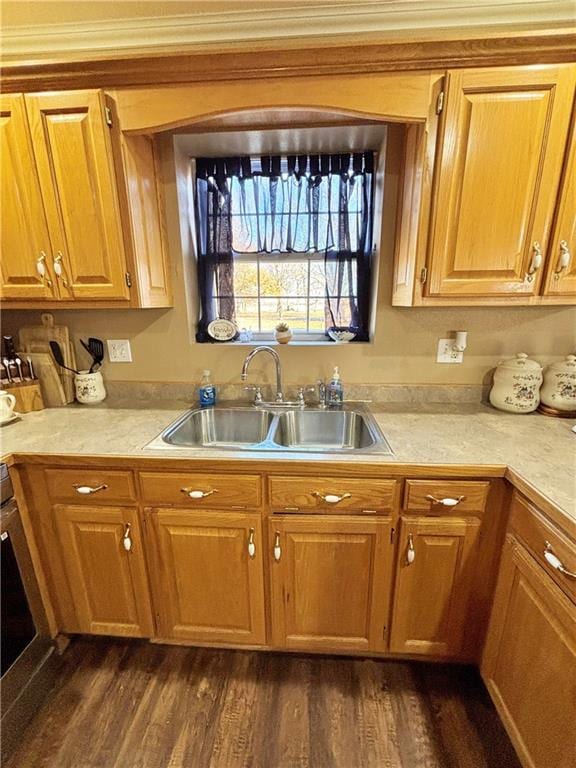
[(447, 353), (119, 351)]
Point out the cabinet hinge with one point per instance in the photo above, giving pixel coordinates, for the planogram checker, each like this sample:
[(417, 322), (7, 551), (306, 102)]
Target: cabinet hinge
[(128, 279), (423, 275), (440, 102), (108, 115)]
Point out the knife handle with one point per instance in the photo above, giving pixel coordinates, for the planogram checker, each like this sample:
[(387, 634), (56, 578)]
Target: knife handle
[(9, 348)]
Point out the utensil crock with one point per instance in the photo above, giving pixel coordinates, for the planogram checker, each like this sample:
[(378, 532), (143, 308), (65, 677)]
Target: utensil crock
[(89, 387)]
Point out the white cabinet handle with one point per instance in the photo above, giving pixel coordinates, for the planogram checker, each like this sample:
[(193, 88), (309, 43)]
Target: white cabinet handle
[(196, 494), (556, 563), (251, 544), (331, 498), (563, 259), (86, 490), (410, 551), (447, 502), (536, 262), (59, 270), (277, 547), (126, 540), (41, 269)]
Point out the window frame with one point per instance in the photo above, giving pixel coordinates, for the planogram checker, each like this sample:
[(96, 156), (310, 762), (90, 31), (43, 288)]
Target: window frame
[(281, 257)]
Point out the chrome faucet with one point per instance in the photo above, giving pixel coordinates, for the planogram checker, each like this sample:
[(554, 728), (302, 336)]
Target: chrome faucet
[(276, 358)]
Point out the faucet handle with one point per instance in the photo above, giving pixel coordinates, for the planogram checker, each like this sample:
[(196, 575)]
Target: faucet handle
[(321, 387), (257, 394), (301, 393)]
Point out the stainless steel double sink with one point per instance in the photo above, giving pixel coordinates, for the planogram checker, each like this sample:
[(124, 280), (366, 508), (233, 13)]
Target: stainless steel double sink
[(249, 428)]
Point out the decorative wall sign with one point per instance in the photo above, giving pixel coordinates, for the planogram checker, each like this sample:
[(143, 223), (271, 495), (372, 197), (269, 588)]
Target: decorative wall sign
[(222, 330)]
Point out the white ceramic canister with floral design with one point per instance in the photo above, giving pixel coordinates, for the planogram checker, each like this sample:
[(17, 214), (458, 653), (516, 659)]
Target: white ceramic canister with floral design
[(559, 388), (89, 387), (516, 385)]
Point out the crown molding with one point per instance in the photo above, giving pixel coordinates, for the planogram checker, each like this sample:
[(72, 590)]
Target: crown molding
[(392, 18), (326, 57)]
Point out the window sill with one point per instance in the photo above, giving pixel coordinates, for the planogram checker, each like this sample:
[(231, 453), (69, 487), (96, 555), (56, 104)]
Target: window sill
[(274, 343)]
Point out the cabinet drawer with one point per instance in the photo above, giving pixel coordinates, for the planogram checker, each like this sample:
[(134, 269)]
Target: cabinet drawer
[(194, 489), (540, 536), (334, 494), (437, 497), (90, 486)]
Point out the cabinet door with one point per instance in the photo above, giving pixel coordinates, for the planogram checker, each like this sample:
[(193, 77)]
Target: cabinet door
[(529, 662), (108, 583), (24, 238), (433, 592), (330, 582), (207, 580), (561, 272), (498, 170), (73, 149)]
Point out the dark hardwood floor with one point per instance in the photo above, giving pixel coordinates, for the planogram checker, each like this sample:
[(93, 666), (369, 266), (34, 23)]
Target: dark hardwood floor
[(130, 704)]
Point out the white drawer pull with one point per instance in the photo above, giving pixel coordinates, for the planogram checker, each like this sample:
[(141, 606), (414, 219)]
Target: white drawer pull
[(86, 490), (195, 494), (126, 540), (410, 551), (331, 498), (277, 547), (447, 502), (251, 544), (556, 563)]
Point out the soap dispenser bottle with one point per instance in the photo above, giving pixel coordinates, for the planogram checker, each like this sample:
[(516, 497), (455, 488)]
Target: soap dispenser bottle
[(335, 393), (206, 391)]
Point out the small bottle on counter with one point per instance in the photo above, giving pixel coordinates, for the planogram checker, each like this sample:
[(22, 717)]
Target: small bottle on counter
[(207, 391), (335, 392)]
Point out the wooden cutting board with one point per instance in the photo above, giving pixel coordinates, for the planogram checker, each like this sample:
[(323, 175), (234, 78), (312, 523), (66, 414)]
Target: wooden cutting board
[(46, 372), (36, 339)]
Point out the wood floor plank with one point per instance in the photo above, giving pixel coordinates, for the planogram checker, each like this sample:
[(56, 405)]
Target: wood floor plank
[(334, 736), (377, 727), (418, 744), (130, 704)]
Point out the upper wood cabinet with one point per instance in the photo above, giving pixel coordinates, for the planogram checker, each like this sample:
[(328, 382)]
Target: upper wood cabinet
[(24, 238), (103, 558), (92, 232), (561, 267), (433, 605), (488, 235), (529, 661), (73, 150), (330, 582)]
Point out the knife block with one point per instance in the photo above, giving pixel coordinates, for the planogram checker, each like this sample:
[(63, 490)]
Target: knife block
[(28, 396)]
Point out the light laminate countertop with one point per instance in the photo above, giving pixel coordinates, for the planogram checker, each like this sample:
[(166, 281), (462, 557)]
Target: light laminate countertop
[(537, 452)]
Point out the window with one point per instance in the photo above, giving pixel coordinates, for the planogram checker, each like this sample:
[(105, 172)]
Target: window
[(285, 239)]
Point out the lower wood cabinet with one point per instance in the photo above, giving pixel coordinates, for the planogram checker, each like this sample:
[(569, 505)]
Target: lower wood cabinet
[(435, 573), (207, 575), (330, 582), (529, 663), (103, 558)]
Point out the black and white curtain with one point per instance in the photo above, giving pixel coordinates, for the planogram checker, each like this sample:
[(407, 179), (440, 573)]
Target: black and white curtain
[(300, 204)]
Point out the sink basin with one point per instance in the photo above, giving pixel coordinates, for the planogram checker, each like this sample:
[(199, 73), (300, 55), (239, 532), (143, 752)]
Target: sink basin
[(247, 428), (323, 430), (220, 428)]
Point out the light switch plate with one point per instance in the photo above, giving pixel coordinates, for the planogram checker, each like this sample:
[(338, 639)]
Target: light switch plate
[(119, 351), (447, 353)]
